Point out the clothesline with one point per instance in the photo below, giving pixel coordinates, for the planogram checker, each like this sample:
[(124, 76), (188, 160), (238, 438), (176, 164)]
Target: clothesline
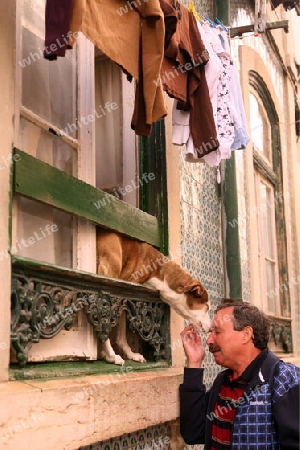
[(203, 17), (250, 28), (187, 58)]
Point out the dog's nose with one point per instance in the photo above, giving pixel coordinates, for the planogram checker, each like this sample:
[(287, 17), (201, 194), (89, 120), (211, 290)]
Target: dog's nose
[(206, 324)]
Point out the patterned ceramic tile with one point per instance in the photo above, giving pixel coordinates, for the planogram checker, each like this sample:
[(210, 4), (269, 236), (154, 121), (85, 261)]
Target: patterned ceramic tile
[(201, 240), (157, 437)]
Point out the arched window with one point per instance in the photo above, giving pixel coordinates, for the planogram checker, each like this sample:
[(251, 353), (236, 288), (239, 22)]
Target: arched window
[(269, 197)]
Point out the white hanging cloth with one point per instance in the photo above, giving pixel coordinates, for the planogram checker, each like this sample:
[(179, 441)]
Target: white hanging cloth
[(226, 98)]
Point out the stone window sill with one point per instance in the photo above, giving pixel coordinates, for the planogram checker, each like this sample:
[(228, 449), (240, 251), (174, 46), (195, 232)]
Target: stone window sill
[(55, 370)]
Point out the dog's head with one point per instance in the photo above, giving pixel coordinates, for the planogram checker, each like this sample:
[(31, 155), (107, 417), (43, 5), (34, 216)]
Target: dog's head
[(198, 304), (186, 295)]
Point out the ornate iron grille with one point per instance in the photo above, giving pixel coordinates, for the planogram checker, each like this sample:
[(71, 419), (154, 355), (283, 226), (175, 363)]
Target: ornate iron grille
[(46, 300)]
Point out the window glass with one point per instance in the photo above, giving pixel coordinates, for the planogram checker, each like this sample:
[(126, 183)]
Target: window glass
[(49, 94), (272, 305), (43, 233), (265, 205), (47, 147), (48, 87), (267, 244), (267, 215), (116, 145), (108, 124), (260, 127), (268, 241)]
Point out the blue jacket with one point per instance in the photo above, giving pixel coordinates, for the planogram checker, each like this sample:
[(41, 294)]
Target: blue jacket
[(267, 416)]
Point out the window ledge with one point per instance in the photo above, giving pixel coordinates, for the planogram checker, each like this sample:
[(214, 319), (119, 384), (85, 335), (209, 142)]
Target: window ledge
[(56, 370), (83, 407)]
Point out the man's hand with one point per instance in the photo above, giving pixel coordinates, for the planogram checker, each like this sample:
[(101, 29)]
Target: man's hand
[(193, 347)]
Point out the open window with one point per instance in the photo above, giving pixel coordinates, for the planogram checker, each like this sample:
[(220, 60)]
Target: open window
[(116, 144), (78, 167)]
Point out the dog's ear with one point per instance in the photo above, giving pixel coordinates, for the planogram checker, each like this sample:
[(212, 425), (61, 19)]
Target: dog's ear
[(180, 289), (197, 290)]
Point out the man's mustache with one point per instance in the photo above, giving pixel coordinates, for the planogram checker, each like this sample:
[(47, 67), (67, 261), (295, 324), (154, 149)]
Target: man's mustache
[(213, 348)]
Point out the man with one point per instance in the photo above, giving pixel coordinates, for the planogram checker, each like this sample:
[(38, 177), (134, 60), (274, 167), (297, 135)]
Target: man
[(254, 403)]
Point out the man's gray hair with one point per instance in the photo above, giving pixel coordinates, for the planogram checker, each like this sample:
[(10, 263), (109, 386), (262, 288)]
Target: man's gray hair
[(245, 314)]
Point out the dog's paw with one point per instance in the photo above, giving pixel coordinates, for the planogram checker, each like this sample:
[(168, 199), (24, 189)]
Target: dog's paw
[(118, 360), (112, 358), (115, 359), (136, 357)]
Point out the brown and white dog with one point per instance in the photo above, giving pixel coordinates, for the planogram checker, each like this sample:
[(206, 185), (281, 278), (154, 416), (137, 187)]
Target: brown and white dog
[(128, 259)]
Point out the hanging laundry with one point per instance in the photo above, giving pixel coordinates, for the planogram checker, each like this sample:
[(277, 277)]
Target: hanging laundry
[(57, 18), (241, 137), (226, 99), (171, 15), (191, 7), (182, 77), (231, 122), (180, 119), (131, 35), (223, 36), (225, 123)]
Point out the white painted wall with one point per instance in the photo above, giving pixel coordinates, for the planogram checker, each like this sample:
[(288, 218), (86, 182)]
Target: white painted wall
[(7, 51)]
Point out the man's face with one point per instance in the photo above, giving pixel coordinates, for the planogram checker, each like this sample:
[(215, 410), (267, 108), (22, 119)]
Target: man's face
[(224, 342)]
